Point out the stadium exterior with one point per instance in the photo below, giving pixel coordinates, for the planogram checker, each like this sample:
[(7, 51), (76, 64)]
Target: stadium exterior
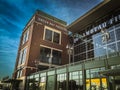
[(96, 55)]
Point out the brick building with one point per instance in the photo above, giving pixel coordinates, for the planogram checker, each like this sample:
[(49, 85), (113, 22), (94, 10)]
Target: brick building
[(42, 46)]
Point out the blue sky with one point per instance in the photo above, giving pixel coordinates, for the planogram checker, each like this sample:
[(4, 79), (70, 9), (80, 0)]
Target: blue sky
[(14, 14)]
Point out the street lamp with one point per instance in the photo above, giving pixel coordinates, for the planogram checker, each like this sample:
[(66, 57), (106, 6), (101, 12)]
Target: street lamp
[(69, 48)]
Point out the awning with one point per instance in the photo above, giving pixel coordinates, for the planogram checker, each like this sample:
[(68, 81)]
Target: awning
[(111, 72)]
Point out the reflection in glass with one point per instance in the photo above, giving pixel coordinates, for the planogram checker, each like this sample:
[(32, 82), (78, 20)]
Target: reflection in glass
[(90, 54), (93, 80), (44, 52), (48, 35), (80, 57), (80, 48), (90, 45), (112, 37), (117, 31), (56, 57), (98, 42), (61, 81), (111, 48), (118, 44), (100, 51), (42, 83), (56, 37), (75, 80)]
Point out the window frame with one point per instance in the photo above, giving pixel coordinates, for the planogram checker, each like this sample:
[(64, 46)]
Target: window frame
[(53, 31), (26, 36), (22, 56), (51, 53)]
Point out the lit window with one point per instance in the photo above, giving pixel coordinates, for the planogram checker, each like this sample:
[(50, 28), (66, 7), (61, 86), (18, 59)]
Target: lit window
[(52, 36), (25, 36), (22, 56)]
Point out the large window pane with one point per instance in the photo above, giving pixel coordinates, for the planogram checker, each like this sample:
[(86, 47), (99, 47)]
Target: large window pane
[(118, 45), (44, 54), (90, 45), (90, 54), (98, 42), (112, 37), (80, 57), (43, 83), (118, 33), (22, 56), (111, 48), (25, 36), (80, 48), (100, 51), (56, 57), (48, 35), (56, 37)]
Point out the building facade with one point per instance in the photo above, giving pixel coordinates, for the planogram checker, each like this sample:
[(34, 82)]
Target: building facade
[(42, 46), (96, 54)]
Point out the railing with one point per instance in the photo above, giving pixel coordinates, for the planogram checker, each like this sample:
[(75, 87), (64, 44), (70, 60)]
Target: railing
[(115, 54)]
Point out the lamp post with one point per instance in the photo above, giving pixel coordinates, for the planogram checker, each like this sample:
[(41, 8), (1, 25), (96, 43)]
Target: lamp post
[(70, 51)]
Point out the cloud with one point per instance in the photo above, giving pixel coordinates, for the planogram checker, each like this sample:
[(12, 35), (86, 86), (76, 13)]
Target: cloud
[(15, 14), (8, 52)]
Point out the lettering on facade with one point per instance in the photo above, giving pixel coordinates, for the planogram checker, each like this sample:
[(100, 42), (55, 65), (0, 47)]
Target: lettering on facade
[(103, 25), (51, 24)]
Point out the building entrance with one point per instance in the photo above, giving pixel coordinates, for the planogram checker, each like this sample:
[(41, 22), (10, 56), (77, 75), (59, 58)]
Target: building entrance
[(96, 84)]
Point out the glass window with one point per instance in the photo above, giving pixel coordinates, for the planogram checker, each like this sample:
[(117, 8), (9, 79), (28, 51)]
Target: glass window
[(25, 36), (118, 45), (62, 77), (80, 57), (80, 48), (44, 54), (19, 73), (118, 33), (111, 48), (50, 56), (52, 36), (98, 42), (90, 45), (93, 79), (43, 83), (112, 37), (61, 82), (56, 37), (90, 54), (56, 57), (22, 56), (48, 35), (100, 51), (75, 80)]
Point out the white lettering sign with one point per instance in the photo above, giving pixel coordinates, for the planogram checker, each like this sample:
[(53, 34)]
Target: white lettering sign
[(103, 25), (51, 24)]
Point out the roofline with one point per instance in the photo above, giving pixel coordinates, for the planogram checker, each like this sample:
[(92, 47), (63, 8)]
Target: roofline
[(41, 13), (88, 13)]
